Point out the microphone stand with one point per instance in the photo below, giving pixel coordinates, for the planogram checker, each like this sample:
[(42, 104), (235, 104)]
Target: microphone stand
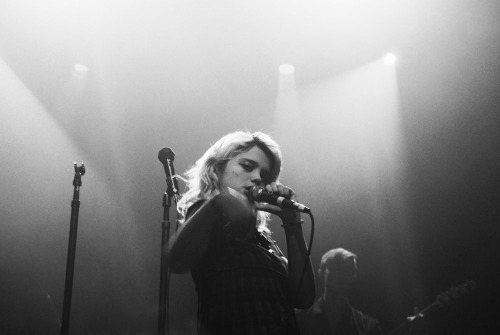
[(163, 308), (70, 263)]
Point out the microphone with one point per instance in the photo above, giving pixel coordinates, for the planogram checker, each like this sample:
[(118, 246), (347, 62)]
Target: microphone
[(259, 194), (166, 157)]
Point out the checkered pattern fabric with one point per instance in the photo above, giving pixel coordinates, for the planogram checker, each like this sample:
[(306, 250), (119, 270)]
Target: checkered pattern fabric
[(243, 288)]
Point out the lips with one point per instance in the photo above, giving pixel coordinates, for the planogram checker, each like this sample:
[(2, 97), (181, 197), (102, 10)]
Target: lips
[(247, 191)]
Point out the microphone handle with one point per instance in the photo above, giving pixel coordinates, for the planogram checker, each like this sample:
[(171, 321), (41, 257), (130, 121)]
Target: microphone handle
[(288, 203), (259, 194)]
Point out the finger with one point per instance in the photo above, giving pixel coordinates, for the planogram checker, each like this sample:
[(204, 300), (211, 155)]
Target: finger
[(287, 192), (282, 190), (275, 187)]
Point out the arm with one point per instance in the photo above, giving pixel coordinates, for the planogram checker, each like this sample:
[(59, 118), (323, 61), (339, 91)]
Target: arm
[(191, 241), (304, 293)]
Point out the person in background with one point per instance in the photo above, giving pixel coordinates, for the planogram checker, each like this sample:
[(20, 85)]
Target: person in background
[(245, 285), (332, 313)]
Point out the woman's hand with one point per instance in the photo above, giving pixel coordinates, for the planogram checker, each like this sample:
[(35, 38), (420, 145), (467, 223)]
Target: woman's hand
[(240, 212), (286, 215)]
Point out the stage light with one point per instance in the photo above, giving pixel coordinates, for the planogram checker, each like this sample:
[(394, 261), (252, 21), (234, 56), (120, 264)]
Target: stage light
[(390, 58), (81, 69), (286, 69)]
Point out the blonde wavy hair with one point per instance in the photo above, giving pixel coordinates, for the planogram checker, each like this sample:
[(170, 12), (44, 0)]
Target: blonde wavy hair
[(203, 177)]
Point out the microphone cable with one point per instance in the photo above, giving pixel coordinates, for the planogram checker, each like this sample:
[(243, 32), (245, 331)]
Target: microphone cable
[(308, 253)]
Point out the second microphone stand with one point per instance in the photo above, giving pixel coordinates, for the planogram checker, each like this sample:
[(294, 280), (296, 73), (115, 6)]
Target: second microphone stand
[(163, 308), (70, 263)]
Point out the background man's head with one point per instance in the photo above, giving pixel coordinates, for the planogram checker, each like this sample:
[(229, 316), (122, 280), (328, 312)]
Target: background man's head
[(338, 270)]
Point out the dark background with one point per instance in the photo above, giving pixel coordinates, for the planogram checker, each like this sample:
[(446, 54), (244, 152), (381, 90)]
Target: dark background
[(399, 163)]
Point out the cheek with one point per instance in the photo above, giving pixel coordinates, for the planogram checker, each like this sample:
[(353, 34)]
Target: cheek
[(230, 176), (234, 171)]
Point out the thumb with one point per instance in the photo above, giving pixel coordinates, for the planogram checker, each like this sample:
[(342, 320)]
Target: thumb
[(265, 207)]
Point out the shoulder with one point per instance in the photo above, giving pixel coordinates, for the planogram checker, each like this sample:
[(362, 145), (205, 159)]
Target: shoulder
[(194, 208), (312, 320), (366, 322), (315, 311)]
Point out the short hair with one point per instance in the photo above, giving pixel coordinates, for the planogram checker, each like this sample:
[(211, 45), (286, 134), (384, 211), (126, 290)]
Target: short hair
[(203, 176), (336, 258)]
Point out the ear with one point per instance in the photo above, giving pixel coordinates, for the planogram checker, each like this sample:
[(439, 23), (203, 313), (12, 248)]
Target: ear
[(321, 276), (218, 169)]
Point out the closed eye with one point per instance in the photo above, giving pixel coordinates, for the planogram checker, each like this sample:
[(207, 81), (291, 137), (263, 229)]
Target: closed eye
[(247, 166)]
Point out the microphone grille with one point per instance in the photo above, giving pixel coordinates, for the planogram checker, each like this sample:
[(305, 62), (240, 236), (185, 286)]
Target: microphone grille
[(256, 192), (166, 153)]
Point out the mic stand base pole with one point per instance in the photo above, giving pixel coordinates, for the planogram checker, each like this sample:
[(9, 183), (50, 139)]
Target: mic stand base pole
[(70, 263), (163, 308)]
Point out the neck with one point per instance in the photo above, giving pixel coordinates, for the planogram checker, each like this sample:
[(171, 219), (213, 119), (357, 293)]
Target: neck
[(338, 299), (335, 307)]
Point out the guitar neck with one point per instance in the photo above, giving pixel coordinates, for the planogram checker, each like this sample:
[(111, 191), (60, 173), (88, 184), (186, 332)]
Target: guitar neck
[(405, 326), (452, 294)]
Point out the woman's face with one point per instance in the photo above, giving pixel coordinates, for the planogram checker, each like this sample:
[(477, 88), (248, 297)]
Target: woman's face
[(245, 170)]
